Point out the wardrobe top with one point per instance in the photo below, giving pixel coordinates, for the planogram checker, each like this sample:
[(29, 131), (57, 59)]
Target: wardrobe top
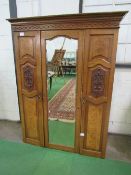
[(70, 21), (83, 16)]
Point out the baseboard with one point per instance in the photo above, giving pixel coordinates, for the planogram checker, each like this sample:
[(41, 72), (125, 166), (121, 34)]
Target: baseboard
[(109, 133), (120, 134), (16, 121)]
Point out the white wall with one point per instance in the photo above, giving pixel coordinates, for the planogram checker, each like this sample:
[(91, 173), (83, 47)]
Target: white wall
[(28, 8), (46, 7), (120, 116), (8, 91)]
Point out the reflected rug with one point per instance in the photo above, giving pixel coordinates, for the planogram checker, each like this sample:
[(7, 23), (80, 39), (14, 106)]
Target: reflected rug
[(62, 105)]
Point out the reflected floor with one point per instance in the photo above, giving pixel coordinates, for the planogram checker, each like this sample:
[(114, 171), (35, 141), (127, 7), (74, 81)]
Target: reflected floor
[(61, 111), (61, 133)]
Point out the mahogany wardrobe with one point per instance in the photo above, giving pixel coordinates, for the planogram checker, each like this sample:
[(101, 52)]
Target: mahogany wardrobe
[(78, 50)]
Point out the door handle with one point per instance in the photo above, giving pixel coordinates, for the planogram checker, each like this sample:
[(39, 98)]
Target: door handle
[(39, 96)]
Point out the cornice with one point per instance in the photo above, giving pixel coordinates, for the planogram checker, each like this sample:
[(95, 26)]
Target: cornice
[(73, 21)]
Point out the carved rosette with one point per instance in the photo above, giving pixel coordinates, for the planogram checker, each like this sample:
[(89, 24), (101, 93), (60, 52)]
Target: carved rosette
[(97, 82), (28, 75)]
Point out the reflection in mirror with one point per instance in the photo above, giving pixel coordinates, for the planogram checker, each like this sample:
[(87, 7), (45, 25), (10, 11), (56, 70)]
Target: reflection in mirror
[(61, 53)]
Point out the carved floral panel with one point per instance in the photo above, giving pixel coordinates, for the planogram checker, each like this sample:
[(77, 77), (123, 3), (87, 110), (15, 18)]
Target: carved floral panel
[(28, 75), (98, 82)]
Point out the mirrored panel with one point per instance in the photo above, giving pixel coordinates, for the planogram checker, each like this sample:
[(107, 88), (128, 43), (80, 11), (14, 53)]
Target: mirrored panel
[(61, 55)]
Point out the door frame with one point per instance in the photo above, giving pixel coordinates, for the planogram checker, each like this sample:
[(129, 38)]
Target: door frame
[(49, 35)]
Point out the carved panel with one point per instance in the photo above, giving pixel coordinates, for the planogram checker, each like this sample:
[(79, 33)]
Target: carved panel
[(98, 82), (77, 25), (28, 75)]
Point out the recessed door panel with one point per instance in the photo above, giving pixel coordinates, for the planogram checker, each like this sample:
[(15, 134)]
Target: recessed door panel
[(28, 61), (97, 43), (31, 117), (26, 46), (94, 127)]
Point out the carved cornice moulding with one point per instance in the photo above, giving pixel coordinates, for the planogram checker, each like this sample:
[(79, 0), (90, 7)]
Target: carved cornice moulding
[(60, 26), (73, 21)]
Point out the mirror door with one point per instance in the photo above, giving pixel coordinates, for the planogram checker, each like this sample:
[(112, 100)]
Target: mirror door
[(61, 74)]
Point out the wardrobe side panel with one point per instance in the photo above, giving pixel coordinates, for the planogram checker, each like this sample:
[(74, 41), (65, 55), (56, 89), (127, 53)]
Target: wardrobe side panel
[(28, 67)]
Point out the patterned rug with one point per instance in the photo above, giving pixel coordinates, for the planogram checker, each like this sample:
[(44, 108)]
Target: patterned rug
[(62, 106)]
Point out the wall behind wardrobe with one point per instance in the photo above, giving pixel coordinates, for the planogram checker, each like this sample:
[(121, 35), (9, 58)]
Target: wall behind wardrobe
[(8, 91), (46, 7)]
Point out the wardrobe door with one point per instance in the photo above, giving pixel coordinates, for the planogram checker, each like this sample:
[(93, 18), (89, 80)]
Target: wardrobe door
[(28, 67), (99, 64), (61, 73)]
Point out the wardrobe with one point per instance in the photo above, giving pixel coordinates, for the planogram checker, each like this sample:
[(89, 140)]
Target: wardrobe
[(94, 37)]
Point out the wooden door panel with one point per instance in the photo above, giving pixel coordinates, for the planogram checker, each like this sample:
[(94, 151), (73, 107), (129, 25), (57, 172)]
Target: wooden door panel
[(97, 89), (97, 43), (94, 126), (26, 46), (28, 66), (31, 117)]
